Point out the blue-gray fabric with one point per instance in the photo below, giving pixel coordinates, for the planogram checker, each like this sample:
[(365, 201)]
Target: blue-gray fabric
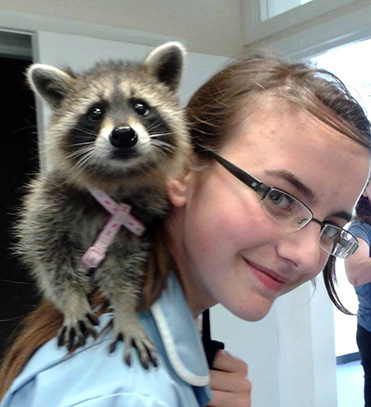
[(363, 231), (91, 377)]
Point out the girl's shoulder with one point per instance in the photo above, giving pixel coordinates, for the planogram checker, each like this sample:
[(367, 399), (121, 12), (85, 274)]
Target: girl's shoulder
[(91, 376)]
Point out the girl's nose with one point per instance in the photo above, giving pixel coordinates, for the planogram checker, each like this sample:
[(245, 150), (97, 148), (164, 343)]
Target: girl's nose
[(301, 248)]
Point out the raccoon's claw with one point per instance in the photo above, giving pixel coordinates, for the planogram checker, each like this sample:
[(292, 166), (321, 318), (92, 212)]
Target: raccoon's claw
[(143, 345), (114, 342), (146, 352), (73, 334), (93, 319), (70, 339)]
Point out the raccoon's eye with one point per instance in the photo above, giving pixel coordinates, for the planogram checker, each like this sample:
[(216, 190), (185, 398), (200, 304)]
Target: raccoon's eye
[(141, 107), (96, 113)]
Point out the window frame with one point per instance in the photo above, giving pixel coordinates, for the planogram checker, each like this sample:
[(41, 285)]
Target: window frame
[(308, 29)]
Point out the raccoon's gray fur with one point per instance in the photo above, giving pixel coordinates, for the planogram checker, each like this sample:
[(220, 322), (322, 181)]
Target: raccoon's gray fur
[(117, 127)]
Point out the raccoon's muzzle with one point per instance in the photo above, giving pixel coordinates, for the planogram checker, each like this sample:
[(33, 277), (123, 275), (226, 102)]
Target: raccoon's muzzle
[(123, 137)]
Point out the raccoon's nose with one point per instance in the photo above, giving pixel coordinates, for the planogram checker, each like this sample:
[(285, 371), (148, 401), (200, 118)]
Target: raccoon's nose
[(123, 137)]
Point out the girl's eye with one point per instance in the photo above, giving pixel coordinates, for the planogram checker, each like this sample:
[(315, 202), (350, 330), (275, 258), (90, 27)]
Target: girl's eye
[(141, 108), (280, 201), (96, 113)]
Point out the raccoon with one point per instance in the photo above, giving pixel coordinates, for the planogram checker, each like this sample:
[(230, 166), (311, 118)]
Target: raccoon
[(115, 130)]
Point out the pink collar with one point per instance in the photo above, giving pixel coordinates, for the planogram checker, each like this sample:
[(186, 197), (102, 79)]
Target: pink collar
[(120, 216)]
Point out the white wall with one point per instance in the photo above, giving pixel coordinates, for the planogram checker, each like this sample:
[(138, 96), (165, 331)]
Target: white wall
[(208, 26), (257, 343), (290, 353)]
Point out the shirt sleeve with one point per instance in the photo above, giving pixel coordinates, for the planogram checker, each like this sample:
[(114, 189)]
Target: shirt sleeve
[(362, 231), (122, 400)]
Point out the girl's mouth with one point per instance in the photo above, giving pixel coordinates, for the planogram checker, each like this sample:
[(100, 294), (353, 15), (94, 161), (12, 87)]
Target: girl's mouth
[(271, 280)]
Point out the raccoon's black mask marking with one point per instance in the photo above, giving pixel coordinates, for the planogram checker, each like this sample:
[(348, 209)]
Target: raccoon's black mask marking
[(87, 127), (123, 138)]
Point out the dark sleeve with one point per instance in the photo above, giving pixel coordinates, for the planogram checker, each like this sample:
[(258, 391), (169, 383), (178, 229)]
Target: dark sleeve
[(361, 230)]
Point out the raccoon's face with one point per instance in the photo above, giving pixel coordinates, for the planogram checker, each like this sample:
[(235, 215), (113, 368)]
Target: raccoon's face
[(116, 119), (122, 129)]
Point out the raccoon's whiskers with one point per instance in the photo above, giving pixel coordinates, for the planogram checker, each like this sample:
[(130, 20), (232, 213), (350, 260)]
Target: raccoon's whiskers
[(85, 159), (82, 151), (85, 154), (160, 135), (78, 153), (85, 132), (163, 146), (85, 143), (153, 126)]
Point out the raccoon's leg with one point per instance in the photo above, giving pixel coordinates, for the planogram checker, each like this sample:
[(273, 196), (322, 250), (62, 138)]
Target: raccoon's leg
[(127, 328), (120, 279), (51, 229), (78, 322), (67, 287)]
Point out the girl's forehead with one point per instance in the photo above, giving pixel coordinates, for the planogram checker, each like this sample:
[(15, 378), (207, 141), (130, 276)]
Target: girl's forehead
[(293, 140), (283, 125)]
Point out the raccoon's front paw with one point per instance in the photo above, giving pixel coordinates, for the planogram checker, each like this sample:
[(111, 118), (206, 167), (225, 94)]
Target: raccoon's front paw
[(73, 332), (134, 336)]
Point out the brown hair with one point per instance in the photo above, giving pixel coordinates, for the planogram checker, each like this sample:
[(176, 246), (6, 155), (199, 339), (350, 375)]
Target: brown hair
[(363, 210), (43, 323), (215, 106)]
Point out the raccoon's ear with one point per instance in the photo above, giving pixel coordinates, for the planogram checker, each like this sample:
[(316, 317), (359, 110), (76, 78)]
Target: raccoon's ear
[(166, 62), (50, 83)]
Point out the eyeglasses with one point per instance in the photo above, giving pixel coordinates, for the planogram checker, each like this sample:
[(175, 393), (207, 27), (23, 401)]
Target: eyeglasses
[(291, 213)]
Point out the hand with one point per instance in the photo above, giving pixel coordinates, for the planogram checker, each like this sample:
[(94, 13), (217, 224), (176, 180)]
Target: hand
[(228, 382)]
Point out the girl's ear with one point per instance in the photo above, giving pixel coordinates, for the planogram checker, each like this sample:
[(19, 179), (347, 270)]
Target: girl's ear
[(176, 188)]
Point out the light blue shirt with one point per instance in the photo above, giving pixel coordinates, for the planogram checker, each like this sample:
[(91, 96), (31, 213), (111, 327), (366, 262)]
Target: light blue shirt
[(91, 377)]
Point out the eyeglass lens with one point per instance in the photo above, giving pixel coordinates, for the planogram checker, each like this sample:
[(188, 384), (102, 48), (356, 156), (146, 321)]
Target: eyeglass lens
[(290, 212), (337, 241), (286, 209)]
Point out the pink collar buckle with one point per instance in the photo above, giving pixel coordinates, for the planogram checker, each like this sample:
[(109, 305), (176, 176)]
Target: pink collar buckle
[(120, 216)]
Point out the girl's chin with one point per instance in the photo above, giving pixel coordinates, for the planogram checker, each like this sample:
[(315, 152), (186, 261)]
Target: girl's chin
[(251, 310)]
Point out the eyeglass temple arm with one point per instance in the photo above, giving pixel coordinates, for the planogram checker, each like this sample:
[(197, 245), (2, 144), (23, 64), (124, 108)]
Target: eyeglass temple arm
[(243, 176)]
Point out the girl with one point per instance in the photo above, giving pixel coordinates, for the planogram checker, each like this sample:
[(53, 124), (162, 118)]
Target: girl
[(281, 155)]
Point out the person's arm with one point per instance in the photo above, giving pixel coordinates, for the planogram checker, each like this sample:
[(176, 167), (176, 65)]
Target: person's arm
[(358, 265), (228, 382)]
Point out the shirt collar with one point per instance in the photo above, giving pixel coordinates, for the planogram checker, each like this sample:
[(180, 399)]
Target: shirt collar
[(179, 335)]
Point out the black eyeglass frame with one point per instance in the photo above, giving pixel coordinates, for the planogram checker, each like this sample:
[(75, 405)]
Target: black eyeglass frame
[(263, 190)]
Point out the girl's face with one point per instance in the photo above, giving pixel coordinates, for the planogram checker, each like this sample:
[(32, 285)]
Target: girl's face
[(227, 249)]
